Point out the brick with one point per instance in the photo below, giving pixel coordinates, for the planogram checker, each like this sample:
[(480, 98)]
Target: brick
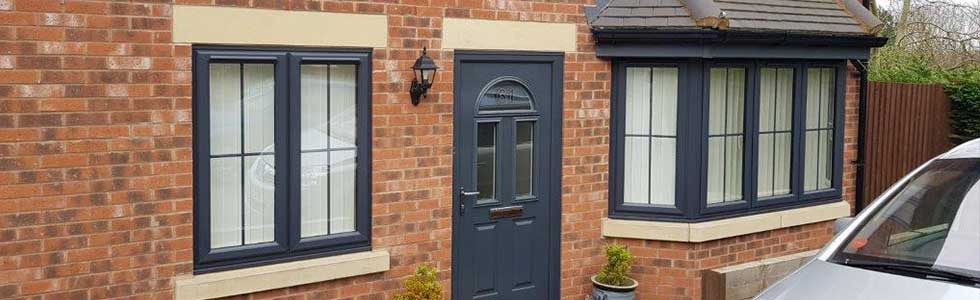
[(96, 135)]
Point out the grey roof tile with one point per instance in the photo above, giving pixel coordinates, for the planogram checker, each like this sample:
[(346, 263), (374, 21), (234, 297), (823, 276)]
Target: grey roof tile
[(818, 16), (642, 12)]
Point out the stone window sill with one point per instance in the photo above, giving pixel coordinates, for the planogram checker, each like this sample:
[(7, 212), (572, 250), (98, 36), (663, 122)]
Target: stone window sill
[(725, 228), (262, 278)]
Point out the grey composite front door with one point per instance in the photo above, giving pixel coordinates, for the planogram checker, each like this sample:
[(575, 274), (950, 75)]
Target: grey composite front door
[(507, 150)]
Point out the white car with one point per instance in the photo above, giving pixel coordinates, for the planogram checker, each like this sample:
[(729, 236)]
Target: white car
[(920, 240)]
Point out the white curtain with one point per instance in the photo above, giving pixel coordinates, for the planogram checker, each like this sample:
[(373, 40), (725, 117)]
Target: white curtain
[(775, 124), (328, 140), (636, 179), (725, 141), (651, 130), (820, 105), (638, 101)]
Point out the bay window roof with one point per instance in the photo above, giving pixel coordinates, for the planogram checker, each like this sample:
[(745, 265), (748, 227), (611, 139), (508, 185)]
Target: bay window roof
[(821, 17), (696, 28)]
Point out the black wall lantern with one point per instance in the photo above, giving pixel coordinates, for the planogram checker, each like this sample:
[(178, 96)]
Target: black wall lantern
[(425, 71)]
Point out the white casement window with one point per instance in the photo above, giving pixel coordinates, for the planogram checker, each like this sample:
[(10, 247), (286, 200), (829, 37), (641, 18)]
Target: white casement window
[(820, 103), (650, 140), (281, 142), (775, 131), (242, 156), (726, 134), (328, 149), (697, 139)]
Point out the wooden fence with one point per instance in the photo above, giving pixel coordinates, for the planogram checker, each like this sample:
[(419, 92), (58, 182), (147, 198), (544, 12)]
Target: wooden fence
[(908, 124)]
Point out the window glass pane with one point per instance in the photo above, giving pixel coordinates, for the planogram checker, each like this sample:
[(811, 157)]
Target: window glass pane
[(826, 150), (329, 151), (343, 167), (726, 118), (716, 169), (225, 108), (315, 103), (820, 106), (717, 100), (813, 95), (812, 160), (827, 97), (781, 164), (226, 202), (259, 101), (486, 160), (314, 189), (736, 101), (525, 158), (242, 182), (783, 106), (662, 161), (766, 150), (259, 198), (664, 101), (733, 168), (636, 174), (651, 134), (774, 164), (343, 118), (767, 99), (506, 95), (637, 100), (775, 131)]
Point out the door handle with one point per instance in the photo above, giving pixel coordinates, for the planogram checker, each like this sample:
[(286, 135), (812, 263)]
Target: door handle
[(462, 201)]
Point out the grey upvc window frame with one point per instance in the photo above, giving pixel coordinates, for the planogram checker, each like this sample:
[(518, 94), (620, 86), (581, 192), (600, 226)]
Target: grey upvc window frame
[(287, 244), (692, 146)]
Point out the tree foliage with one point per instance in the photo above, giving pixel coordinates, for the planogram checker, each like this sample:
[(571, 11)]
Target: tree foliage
[(939, 44)]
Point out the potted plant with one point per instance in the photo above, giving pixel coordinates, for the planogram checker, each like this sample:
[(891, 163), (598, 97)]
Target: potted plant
[(423, 285), (613, 281)]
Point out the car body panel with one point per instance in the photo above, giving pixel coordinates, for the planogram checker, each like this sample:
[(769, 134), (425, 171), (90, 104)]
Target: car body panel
[(823, 280), (820, 280)]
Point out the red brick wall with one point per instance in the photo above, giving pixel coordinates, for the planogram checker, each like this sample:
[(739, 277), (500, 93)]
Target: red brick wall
[(95, 154)]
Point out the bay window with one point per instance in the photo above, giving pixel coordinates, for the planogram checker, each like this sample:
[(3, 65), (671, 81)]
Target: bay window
[(696, 139), (282, 140)]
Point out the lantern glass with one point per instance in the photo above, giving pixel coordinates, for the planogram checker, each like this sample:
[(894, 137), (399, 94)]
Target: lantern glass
[(427, 75)]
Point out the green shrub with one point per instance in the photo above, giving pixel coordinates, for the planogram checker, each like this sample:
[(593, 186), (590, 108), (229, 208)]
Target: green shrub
[(617, 268), (964, 97), (423, 285)]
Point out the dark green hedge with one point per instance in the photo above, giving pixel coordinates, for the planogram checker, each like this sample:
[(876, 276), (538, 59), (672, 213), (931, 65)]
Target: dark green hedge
[(964, 99)]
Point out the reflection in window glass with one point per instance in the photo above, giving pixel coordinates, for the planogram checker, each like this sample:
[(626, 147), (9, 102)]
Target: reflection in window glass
[(820, 105), (725, 134), (328, 155), (775, 131), (242, 153), (525, 158), (486, 160), (650, 142), (933, 221)]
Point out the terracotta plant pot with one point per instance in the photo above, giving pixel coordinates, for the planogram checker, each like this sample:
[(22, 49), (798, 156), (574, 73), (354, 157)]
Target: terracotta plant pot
[(602, 291)]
